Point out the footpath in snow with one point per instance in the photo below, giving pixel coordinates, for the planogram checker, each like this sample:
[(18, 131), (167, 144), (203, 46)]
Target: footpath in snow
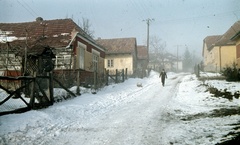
[(182, 112)]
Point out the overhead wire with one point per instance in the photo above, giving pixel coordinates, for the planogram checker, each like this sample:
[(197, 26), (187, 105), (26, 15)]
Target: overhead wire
[(200, 17), (29, 10), (136, 7)]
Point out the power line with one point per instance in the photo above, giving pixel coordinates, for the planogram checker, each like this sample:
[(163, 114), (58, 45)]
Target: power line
[(200, 17), (30, 8), (31, 13)]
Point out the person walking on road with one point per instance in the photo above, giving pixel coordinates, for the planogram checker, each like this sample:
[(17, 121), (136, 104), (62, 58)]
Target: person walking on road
[(163, 75)]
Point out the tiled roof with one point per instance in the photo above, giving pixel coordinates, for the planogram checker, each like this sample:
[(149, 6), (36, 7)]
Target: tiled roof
[(118, 45), (231, 32), (55, 33), (211, 40), (225, 39), (142, 52)]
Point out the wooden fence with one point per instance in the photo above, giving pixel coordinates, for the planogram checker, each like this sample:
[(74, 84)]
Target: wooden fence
[(119, 76), (34, 93)]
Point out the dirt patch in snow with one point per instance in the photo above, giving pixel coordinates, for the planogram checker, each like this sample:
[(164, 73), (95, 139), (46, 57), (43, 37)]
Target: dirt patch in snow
[(232, 137)]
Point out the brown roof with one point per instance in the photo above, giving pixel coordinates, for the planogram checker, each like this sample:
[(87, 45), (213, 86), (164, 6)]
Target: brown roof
[(231, 32), (236, 36), (118, 45), (55, 33), (211, 40), (142, 52)]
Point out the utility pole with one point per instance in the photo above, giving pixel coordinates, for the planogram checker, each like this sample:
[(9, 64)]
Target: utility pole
[(177, 57), (148, 23), (25, 54)]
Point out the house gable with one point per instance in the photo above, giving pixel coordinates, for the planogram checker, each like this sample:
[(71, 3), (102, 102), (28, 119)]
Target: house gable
[(122, 52), (61, 34), (226, 37), (118, 45), (220, 51), (55, 33), (142, 52)]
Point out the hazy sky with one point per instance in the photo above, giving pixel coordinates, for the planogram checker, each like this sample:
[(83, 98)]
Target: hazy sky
[(177, 22)]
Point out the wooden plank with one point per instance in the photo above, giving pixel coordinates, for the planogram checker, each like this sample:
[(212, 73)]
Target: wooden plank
[(20, 110), (11, 93), (64, 87), (16, 78)]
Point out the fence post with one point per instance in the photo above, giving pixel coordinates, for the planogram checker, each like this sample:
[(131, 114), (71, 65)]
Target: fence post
[(107, 73), (95, 80), (126, 73), (116, 76), (51, 87), (78, 82), (33, 89), (123, 79)]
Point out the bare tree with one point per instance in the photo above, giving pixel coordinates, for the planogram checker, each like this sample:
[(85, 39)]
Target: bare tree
[(156, 45), (85, 25), (157, 51)]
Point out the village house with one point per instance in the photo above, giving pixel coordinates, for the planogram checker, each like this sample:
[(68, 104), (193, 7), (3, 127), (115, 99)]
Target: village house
[(236, 38), (142, 61), (77, 55), (220, 51), (121, 53), (210, 53), (169, 62)]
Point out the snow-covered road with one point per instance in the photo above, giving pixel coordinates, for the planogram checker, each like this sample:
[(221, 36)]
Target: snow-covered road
[(139, 121), (124, 114)]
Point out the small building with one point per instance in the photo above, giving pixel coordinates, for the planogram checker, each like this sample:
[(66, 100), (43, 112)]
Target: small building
[(168, 61), (77, 54), (236, 38), (220, 51), (142, 59), (121, 53), (210, 53)]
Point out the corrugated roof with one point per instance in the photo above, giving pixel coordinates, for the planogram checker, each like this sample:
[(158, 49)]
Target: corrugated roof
[(118, 45)]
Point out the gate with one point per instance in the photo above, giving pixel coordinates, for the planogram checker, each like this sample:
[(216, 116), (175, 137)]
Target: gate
[(118, 77), (30, 95)]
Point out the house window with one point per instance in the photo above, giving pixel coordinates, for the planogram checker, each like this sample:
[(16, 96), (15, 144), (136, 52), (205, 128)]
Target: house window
[(95, 59), (82, 48), (63, 61), (110, 63)]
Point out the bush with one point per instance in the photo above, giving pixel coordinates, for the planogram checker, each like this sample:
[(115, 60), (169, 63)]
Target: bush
[(232, 73)]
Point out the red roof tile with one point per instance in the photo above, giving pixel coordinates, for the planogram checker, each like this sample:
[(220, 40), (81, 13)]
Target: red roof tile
[(142, 52), (55, 33), (231, 32), (118, 45), (211, 40)]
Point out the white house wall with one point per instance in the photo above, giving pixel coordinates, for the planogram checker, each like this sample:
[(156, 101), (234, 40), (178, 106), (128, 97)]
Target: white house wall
[(120, 62)]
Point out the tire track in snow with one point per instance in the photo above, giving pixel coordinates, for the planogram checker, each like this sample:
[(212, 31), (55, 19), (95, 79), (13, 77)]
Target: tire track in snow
[(130, 119), (136, 122)]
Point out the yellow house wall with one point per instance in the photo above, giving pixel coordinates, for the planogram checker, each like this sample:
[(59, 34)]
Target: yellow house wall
[(120, 62), (211, 59), (238, 59), (88, 61), (228, 55)]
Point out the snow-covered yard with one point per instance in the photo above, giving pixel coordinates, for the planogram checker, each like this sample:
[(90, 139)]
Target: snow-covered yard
[(182, 112)]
